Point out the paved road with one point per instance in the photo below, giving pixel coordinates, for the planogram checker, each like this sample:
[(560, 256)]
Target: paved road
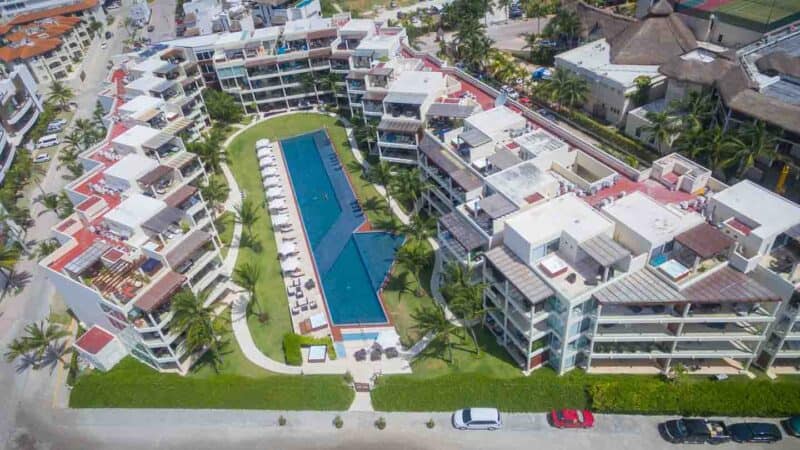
[(176, 429), (34, 390), (162, 17)]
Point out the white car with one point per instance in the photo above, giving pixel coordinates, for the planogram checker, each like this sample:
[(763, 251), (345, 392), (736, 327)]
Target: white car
[(477, 419), (41, 158), (104, 45)]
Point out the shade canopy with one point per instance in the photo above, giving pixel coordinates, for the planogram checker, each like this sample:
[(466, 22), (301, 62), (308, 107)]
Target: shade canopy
[(269, 172), (281, 219), (277, 203), (287, 248), (262, 143), (289, 265), (266, 162), (271, 182), (388, 338), (275, 192), (264, 152)]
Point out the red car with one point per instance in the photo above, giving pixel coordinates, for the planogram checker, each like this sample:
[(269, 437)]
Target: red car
[(572, 418)]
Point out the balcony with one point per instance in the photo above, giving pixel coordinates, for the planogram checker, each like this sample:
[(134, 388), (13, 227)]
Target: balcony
[(403, 110), (19, 110), (389, 138), (355, 85)]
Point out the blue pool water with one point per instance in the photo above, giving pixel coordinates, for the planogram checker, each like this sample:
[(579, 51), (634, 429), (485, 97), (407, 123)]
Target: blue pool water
[(352, 266)]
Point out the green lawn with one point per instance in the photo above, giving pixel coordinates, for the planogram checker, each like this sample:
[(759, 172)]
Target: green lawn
[(399, 297), (239, 384), (225, 223)]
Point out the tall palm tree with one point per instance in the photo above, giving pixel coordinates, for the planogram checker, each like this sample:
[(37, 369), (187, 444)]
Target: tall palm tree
[(537, 9), (87, 131), (247, 276), (202, 329), (60, 93), (468, 305), (419, 227), (309, 84), (716, 150), (247, 214), (9, 257), (506, 5), (566, 89), (65, 206), (215, 192), (431, 320), (754, 142), (38, 339), (413, 257), (410, 184), (50, 202), (662, 128), (36, 176), (381, 174), (46, 247), (472, 43)]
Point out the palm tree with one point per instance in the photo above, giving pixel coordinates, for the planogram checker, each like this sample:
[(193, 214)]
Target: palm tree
[(454, 277), (419, 227), (381, 174), (716, 150), (373, 204), (201, 328), (60, 93), (247, 214), (97, 115), (567, 89), (431, 320), (9, 257), (39, 339), (65, 206), (468, 305), (50, 202), (247, 276), (308, 83), (37, 174), (46, 247), (87, 131), (505, 4), (411, 184), (472, 43), (662, 128), (753, 143), (413, 257), (215, 192), (537, 9)]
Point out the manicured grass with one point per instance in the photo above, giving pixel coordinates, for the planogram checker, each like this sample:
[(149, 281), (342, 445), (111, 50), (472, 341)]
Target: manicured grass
[(399, 298), (225, 223), (134, 385)]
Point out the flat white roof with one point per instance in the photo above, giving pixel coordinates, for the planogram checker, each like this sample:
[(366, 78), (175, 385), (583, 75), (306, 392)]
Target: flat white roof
[(596, 57), (495, 120), (566, 214), (135, 210), (150, 64), (141, 103), (207, 40), (774, 213), (521, 181), (144, 83), (379, 42), (359, 25), (415, 82), (135, 136), (304, 25), (656, 223), (266, 34), (131, 167)]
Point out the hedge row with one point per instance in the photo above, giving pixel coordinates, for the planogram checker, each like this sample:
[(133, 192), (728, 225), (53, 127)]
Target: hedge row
[(621, 394), (292, 343)]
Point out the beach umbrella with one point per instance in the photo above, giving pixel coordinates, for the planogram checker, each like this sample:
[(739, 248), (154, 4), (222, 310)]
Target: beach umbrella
[(274, 192), (277, 203), (388, 338), (270, 182), (270, 171), (287, 248), (281, 219), (263, 143), (264, 152), (290, 264), (266, 162)]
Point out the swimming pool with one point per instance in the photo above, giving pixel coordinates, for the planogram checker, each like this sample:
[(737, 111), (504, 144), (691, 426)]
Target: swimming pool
[(352, 265)]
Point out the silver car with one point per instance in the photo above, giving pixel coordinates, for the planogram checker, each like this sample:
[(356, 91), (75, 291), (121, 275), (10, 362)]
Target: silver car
[(477, 419)]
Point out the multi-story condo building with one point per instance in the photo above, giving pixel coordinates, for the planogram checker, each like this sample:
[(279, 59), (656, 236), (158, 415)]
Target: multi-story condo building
[(14, 8), (20, 105), (159, 87), (140, 232), (51, 43)]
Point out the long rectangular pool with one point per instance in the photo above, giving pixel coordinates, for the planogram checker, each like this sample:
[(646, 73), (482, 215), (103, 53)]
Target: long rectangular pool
[(352, 265)]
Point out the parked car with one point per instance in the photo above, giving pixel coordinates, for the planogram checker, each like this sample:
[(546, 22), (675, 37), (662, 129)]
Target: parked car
[(109, 35), (47, 141), (104, 45), (572, 418), (477, 419), (547, 114), (41, 158), (792, 426), (694, 431), (151, 28), (401, 15), (57, 122), (755, 432), (515, 12)]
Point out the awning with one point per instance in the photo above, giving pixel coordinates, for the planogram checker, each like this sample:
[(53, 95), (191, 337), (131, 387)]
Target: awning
[(180, 160), (155, 175), (352, 75), (604, 250), (183, 193), (474, 137), (467, 180), (287, 248), (462, 231), (434, 150), (728, 285), (399, 125), (289, 265), (406, 98), (640, 287), (87, 258), (319, 52), (162, 221), (187, 247), (166, 68), (705, 240), (519, 274), (319, 34), (374, 96), (452, 110), (381, 71), (503, 159), (161, 291), (163, 86), (497, 206)]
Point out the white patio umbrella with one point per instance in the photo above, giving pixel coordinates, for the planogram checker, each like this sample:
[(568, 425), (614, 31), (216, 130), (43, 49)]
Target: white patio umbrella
[(290, 264), (287, 248), (388, 338), (274, 192), (281, 219), (277, 203), (269, 172), (270, 182), (264, 152), (266, 162), (261, 143)]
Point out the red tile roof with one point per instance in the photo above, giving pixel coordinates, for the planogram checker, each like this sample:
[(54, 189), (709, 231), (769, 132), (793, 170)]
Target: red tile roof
[(60, 11), (94, 340)]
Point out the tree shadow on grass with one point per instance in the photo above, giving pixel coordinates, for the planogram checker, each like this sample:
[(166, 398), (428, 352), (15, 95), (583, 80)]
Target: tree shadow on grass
[(399, 282), (248, 240)]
